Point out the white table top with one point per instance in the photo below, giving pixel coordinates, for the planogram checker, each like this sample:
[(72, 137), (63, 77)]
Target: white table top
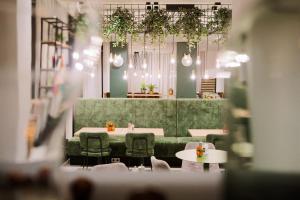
[(204, 132), (210, 156), (121, 131)]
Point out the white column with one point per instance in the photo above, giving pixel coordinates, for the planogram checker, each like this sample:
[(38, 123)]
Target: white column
[(274, 75), (15, 77)]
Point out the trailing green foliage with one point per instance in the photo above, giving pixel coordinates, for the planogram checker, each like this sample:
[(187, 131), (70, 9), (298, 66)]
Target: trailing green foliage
[(221, 21), (190, 25), (157, 24), (81, 24), (121, 23)]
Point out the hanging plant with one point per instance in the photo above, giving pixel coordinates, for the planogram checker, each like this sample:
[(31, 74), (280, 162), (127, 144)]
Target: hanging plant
[(156, 24), (121, 23), (81, 25), (190, 25), (221, 21)]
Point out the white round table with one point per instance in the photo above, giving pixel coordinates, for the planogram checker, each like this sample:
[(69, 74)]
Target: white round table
[(210, 156)]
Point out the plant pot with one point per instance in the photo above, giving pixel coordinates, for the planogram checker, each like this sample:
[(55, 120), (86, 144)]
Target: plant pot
[(151, 92)]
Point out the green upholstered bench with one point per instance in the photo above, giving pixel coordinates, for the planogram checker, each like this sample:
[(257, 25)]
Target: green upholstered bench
[(164, 146), (174, 116)]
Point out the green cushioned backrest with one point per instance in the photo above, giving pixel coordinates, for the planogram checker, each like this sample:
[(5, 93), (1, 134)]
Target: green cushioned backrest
[(96, 112), (144, 113), (174, 116), (138, 142), (156, 114), (220, 141), (91, 142), (198, 114)]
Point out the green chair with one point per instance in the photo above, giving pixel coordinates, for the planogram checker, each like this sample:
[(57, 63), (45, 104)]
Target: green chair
[(94, 145), (139, 145), (220, 141)]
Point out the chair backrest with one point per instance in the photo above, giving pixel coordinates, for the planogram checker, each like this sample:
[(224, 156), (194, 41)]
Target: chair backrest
[(112, 167), (159, 165), (219, 141), (93, 142), (140, 142)]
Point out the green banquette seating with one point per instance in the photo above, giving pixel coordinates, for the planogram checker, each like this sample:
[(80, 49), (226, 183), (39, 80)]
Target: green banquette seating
[(174, 116)]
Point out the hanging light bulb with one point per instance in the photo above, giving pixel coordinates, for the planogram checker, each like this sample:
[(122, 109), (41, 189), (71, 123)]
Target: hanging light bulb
[(223, 74), (144, 64), (159, 76), (75, 55), (92, 75), (218, 66), (198, 61), (111, 58), (233, 64), (88, 62), (125, 75), (79, 66), (193, 75), (147, 74), (143, 76), (118, 61), (135, 74), (242, 58), (206, 76), (187, 60), (130, 65), (172, 60)]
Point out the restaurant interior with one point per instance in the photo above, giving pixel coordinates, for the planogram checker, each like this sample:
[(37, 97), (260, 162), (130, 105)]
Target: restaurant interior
[(149, 100)]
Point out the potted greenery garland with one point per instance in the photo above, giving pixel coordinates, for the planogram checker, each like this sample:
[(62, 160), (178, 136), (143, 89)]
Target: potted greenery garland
[(156, 24), (190, 25), (81, 24), (121, 23), (221, 21)]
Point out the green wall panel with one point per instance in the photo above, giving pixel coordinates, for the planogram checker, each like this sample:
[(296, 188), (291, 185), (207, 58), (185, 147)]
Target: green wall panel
[(174, 116), (118, 86), (199, 114), (186, 87)]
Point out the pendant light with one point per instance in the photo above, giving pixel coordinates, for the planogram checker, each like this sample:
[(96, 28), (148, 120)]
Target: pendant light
[(220, 73), (187, 60), (205, 74), (159, 75), (75, 55), (144, 65), (125, 75), (111, 58), (198, 61), (118, 60), (173, 59), (193, 75), (130, 64)]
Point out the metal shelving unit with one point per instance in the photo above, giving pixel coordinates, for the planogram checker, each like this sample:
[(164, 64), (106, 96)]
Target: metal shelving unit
[(52, 46)]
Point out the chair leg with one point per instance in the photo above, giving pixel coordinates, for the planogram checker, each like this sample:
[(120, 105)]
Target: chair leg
[(87, 162), (128, 162), (82, 161)]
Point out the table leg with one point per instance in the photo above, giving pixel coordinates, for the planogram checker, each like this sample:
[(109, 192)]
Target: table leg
[(206, 167)]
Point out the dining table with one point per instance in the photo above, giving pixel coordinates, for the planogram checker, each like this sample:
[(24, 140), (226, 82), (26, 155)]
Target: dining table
[(210, 156), (205, 132), (120, 131)]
